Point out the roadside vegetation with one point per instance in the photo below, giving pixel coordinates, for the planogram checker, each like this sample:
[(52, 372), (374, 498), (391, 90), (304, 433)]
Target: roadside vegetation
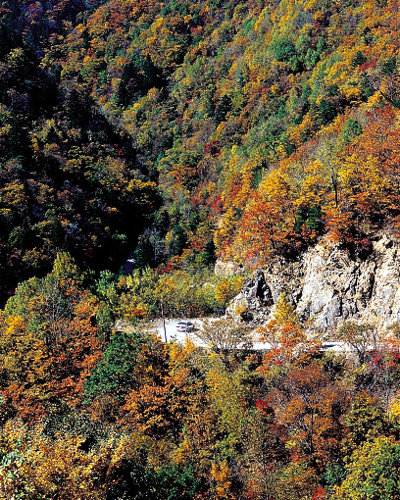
[(93, 413)]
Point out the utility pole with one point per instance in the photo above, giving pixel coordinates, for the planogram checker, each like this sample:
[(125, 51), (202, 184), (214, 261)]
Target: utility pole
[(163, 320)]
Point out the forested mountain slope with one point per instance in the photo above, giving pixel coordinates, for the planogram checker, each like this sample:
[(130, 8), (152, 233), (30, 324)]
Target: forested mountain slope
[(245, 114), (65, 183), (262, 125), (172, 134)]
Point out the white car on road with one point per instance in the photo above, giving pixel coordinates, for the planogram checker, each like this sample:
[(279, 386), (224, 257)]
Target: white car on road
[(185, 326)]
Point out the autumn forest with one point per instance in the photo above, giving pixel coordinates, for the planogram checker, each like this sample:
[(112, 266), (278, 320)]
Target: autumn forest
[(141, 143)]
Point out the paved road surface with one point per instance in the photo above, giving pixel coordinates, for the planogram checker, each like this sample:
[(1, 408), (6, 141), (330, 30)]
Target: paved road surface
[(174, 336), (172, 333)]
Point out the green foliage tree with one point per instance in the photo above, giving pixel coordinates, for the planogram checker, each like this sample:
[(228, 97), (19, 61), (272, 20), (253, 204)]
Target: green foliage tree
[(373, 472), (113, 375)]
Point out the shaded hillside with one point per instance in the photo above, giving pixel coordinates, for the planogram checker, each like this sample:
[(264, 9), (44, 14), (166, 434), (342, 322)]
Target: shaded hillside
[(68, 179)]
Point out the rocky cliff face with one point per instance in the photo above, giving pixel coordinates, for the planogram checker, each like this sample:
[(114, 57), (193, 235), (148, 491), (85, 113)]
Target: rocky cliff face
[(328, 287)]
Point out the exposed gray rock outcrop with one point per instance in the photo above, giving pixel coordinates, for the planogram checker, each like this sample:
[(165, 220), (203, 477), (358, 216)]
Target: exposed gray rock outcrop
[(328, 287)]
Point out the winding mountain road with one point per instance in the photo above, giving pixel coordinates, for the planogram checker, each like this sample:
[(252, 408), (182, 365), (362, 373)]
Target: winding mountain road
[(172, 334)]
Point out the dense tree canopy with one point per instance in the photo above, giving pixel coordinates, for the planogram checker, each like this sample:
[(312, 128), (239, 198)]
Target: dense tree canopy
[(182, 131), (141, 140)]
